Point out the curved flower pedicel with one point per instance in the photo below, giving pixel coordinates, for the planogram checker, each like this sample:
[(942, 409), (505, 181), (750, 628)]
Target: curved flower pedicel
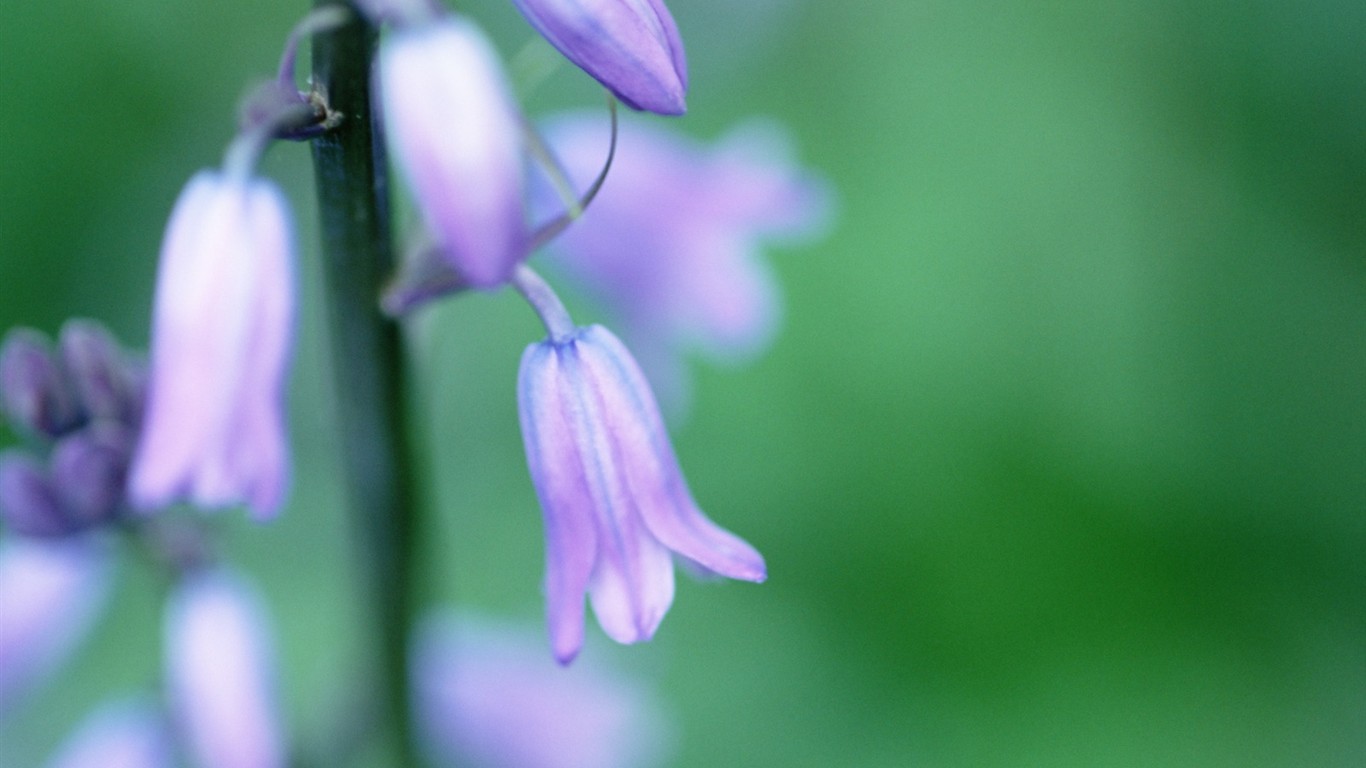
[(220, 669), (672, 244), (614, 499), (222, 328), (630, 46), (455, 133)]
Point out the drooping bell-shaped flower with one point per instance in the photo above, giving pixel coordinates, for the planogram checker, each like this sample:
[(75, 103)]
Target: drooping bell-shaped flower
[(615, 504), (630, 46), (121, 734), (220, 671), (213, 431), (456, 135), (487, 696), (672, 246), (50, 595)]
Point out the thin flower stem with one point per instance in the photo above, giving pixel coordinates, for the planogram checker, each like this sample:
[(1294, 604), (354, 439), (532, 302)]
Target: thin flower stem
[(542, 298), (370, 369)]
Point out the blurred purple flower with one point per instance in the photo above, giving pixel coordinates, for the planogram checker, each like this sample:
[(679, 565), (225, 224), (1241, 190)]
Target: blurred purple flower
[(489, 698), (220, 670), (50, 595), (34, 389), (630, 46), (123, 734), (221, 336), (671, 245), (614, 500), (456, 135)]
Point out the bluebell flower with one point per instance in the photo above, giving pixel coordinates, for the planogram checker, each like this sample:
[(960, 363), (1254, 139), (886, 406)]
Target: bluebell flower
[(456, 136), (50, 595), (615, 504), (121, 734), (488, 696), (673, 245), (213, 431), (630, 46), (220, 671)]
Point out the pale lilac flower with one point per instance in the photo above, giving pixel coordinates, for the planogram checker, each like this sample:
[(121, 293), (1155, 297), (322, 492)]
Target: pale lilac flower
[(456, 135), (220, 673), (125, 734), (613, 497), (489, 698), (50, 596), (672, 243), (630, 46), (222, 328)]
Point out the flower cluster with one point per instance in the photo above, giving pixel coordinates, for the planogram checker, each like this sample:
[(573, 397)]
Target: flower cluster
[(669, 245)]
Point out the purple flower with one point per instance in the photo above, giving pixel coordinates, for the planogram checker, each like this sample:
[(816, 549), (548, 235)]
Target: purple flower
[(222, 327), (630, 46), (614, 499), (123, 734), (456, 135), (220, 669), (672, 242), (487, 697), (50, 595)]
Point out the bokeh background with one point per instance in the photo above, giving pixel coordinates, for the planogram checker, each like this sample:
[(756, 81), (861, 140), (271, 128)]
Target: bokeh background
[(1060, 460)]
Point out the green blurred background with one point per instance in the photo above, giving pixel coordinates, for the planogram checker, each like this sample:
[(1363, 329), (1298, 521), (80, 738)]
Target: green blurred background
[(1061, 459)]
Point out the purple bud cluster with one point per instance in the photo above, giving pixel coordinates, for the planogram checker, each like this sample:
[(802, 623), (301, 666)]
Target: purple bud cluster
[(80, 406)]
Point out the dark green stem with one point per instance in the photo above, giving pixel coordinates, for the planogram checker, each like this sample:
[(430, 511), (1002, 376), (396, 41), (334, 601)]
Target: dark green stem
[(368, 366)]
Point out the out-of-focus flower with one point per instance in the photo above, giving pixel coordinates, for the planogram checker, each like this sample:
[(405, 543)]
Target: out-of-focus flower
[(50, 595), (455, 133), (630, 46), (614, 499), (220, 670), (124, 734), (106, 383), (671, 244), (222, 329), (33, 388), (489, 698)]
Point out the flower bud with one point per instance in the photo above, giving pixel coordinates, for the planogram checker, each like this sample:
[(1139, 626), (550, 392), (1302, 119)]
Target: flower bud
[(50, 594), (95, 363), (122, 734), (33, 387), (29, 504), (220, 669), (630, 46), (456, 136), (90, 472)]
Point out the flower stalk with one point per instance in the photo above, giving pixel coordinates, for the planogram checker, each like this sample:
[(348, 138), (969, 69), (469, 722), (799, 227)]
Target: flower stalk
[(369, 366)]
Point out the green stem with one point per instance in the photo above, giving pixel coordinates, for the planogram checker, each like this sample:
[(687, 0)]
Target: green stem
[(369, 365)]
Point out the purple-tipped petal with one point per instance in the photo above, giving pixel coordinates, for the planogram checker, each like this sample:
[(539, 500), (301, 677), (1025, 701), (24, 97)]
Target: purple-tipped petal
[(630, 46), (220, 670), (571, 546), (456, 136), (50, 595), (124, 734), (652, 470), (613, 498), (221, 336)]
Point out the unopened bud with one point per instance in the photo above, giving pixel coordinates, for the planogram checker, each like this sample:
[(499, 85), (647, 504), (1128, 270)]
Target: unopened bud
[(90, 472), (99, 376), (28, 501), (33, 388)]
